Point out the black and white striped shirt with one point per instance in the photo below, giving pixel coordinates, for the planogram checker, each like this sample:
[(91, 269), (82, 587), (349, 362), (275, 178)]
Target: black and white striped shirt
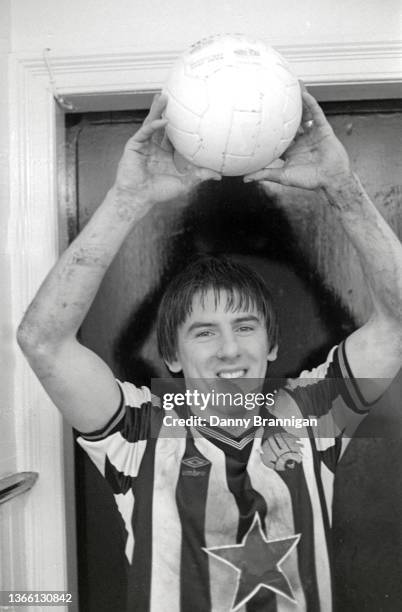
[(218, 523)]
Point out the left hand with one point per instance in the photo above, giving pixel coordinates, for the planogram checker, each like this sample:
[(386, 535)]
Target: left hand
[(150, 170), (316, 159)]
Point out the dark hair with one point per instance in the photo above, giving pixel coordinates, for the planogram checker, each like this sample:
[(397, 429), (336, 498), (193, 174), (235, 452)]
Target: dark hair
[(245, 289)]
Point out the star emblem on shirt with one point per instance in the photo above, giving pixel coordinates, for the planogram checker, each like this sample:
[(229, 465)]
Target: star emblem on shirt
[(257, 561)]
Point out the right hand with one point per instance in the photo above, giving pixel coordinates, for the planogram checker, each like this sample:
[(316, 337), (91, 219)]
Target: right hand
[(315, 160), (147, 169)]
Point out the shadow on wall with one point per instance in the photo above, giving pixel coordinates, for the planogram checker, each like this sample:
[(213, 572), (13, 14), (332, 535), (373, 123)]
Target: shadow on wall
[(234, 218)]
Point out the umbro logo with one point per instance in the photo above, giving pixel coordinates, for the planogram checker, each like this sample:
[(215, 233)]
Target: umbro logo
[(195, 462), (192, 466)]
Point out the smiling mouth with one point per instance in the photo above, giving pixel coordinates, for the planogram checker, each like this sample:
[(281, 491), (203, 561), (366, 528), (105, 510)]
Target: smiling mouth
[(232, 374)]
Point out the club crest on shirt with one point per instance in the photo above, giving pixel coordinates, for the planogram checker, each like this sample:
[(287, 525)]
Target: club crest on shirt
[(281, 451), (192, 466)]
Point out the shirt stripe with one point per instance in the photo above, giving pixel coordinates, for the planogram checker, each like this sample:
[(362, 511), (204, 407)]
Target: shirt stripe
[(322, 567), (279, 518), (191, 495), (167, 531), (221, 524)]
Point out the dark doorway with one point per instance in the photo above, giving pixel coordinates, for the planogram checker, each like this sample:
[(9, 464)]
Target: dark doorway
[(320, 295)]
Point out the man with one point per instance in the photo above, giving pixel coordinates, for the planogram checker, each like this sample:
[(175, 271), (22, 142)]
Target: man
[(217, 521)]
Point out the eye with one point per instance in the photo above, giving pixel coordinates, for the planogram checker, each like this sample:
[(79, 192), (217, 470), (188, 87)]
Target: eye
[(205, 333), (245, 329)]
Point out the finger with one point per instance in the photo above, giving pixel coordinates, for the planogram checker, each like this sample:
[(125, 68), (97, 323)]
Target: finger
[(147, 130), (270, 188), (198, 175), (185, 168), (166, 145), (312, 111), (157, 137), (205, 174), (275, 175), (182, 164), (302, 85), (306, 114), (158, 105), (152, 110), (160, 138)]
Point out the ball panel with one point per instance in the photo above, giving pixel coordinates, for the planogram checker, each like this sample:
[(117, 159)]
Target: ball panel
[(190, 91), (235, 165), (216, 122), (283, 73), (185, 142), (211, 54), (181, 117), (244, 134), (292, 111), (204, 66), (247, 92), (271, 120)]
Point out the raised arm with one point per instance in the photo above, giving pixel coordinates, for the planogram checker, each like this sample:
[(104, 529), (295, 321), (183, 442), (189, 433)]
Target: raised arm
[(318, 161), (78, 381)]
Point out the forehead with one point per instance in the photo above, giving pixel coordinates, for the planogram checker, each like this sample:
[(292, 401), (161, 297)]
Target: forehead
[(222, 302)]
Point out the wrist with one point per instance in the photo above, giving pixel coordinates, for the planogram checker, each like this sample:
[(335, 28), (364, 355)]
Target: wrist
[(129, 204), (343, 190)]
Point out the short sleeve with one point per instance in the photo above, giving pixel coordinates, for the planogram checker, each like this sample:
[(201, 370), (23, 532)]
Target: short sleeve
[(328, 398), (118, 448), (331, 389)]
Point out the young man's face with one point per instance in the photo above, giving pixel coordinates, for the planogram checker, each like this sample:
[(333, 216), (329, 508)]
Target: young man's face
[(216, 342)]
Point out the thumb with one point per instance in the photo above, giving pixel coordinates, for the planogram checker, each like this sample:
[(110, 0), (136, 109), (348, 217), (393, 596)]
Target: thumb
[(205, 174), (196, 174), (275, 175)]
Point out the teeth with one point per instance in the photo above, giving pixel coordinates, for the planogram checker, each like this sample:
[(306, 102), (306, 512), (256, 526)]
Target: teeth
[(237, 374)]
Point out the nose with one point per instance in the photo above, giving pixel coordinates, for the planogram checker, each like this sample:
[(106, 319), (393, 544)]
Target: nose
[(229, 347)]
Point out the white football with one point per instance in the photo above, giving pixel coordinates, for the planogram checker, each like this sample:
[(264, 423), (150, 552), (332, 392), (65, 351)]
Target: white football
[(234, 104)]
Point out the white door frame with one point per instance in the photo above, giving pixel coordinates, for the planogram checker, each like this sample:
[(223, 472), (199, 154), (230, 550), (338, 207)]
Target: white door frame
[(98, 80)]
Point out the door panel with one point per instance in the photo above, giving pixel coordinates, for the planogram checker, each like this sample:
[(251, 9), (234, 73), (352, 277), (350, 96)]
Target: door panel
[(295, 242)]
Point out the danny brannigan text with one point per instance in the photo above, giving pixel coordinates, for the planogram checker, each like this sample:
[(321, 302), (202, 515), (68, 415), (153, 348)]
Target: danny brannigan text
[(245, 422)]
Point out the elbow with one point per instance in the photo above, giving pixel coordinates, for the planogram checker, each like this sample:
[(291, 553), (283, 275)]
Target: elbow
[(24, 336), (40, 347), (32, 342), (27, 338), (40, 354)]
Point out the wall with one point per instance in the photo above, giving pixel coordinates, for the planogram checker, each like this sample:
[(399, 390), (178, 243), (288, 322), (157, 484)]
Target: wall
[(8, 457), (6, 437), (155, 25), (6, 440)]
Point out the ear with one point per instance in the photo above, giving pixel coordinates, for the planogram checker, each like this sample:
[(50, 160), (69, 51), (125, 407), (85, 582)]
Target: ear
[(174, 365), (273, 353)]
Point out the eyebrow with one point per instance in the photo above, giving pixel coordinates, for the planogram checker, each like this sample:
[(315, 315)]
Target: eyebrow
[(242, 319)]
